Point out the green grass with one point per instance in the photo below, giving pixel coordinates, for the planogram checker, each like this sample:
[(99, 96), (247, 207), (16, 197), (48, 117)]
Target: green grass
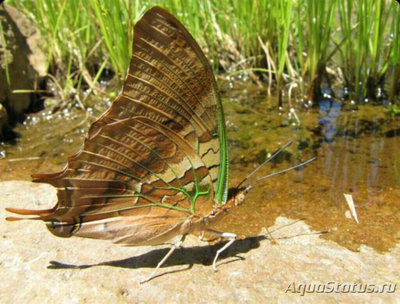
[(394, 64), (318, 26), (3, 42), (367, 51), (287, 41)]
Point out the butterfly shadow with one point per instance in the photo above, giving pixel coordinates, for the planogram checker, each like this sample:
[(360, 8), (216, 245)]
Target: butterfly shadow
[(189, 256)]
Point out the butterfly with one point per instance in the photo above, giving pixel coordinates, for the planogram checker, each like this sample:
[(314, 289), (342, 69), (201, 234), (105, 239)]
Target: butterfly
[(154, 166)]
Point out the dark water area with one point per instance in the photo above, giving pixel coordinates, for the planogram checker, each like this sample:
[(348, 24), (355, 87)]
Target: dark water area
[(357, 149)]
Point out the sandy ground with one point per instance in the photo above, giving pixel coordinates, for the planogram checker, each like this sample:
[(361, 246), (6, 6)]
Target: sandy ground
[(36, 267)]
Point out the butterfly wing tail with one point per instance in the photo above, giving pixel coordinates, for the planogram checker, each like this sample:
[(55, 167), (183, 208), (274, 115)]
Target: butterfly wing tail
[(41, 214), (49, 178)]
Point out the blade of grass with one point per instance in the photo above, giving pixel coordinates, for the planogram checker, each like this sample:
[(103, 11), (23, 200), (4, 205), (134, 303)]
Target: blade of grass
[(5, 56)]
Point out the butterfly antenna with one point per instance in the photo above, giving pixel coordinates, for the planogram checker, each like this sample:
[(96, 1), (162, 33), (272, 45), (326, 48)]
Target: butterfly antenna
[(265, 162), (248, 188)]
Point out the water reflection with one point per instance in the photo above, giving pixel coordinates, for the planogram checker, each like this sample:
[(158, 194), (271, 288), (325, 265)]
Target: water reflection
[(329, 111)]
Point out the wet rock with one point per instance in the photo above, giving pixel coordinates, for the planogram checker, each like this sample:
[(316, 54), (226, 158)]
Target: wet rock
[(261, 156), (252, 270), (21, 57)]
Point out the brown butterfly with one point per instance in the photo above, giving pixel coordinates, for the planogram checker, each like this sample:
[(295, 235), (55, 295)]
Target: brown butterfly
[(155, 165)]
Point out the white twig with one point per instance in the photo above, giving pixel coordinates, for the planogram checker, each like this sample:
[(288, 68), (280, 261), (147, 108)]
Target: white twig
[(352, 207)]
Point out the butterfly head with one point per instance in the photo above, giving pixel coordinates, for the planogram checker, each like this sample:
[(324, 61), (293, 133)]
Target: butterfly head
[(236, 195)]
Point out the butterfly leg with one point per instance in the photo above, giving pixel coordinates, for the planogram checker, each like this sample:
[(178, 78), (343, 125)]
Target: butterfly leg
[(174, 246), (202, 236), (273, 241), (230, 236)]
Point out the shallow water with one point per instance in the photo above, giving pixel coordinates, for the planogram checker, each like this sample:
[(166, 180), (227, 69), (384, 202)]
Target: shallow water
[(356, 148)]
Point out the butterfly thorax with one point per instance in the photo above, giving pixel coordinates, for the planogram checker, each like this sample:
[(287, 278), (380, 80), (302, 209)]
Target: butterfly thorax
[(235, 198)]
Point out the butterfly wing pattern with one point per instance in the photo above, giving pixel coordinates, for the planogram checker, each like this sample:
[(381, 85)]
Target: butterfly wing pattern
[(157, 159)]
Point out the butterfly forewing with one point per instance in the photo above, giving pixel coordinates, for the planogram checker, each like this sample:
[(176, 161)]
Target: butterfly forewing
[(157, 156)]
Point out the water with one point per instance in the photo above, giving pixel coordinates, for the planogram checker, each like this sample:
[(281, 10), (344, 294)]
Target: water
[(356, 146)]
